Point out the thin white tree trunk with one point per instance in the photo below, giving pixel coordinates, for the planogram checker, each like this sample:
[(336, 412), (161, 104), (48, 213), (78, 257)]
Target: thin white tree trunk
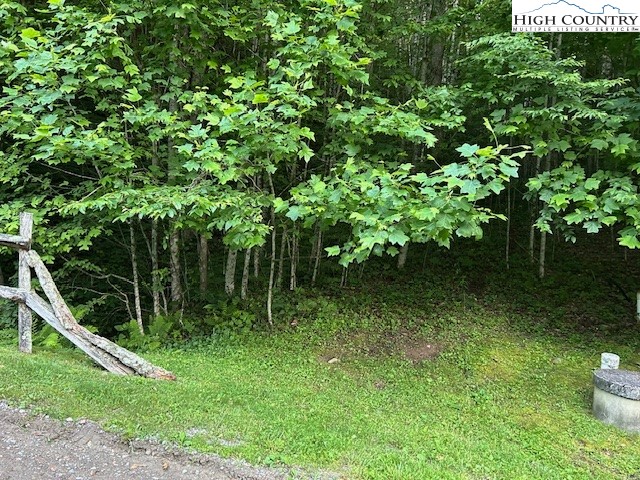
[(402, 257), (532, 241), (155, 262), (272, 271), (543, 254), (283, 244), (508, 240), (177, 295), (155, 269), (532, 231), (272, 267), (318, 253), (257, 251), (293, 256), (175, 267), (543, 235), (136, 281), (345, 276), (230, 272), (203, 263), (244, 287)]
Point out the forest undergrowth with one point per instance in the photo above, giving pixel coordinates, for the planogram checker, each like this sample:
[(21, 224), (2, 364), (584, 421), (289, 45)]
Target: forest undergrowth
[(442, 370)]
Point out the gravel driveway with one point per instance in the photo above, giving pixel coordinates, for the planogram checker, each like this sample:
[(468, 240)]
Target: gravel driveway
[(38, 447)]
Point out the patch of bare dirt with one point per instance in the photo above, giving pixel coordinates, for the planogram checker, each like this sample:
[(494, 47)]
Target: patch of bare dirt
[(419, 350), (407, 344), (40, 448)]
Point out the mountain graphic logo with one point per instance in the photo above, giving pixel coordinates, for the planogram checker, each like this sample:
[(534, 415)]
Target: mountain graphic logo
[(581, 7), (575, 16)]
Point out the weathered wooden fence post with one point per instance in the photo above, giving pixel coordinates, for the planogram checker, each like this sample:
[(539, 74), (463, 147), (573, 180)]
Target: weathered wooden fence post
[(25, 320), (57, 314)]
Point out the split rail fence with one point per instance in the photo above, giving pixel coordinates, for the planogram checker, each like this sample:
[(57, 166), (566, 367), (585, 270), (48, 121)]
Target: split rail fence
[(56, 313)]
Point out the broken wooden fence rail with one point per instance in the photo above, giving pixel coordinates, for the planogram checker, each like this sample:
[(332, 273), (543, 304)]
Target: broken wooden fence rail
[(56, 313), (13, 241)]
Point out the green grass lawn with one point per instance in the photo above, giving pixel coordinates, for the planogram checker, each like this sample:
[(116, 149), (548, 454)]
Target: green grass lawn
[(488, 398)]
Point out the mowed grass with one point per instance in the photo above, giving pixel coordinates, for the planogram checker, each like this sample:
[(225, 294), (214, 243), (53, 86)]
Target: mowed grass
[(499, 401)]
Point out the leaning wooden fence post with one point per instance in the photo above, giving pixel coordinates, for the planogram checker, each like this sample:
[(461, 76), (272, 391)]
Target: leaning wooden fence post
[(25, 320), (57, 314)]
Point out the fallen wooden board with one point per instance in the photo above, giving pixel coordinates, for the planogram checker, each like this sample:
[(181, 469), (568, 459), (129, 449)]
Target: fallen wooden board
[(105, 353), (13, 294), (14, 241), (43, 309)]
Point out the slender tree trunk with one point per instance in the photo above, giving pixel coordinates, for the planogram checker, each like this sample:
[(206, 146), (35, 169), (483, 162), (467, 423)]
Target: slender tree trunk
[(244, 289), (318, 254), (437, 62), (534, 212), (345, 276), (362, 267), (185, 270), (272, 267), (283, 244), (508, 240), (543, 235), (314, 245), (293, 256), (543, 253), (136, 280), (177, 294), (175, 267), (257, 251), (155, 263), (402, 258), (1, 277), (532, 241), (203, 264), (155, 269), (230, 272)]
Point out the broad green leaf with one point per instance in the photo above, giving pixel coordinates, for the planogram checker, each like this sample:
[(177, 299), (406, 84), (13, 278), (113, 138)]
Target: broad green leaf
[(260, 98), (294, 212), (398, 237), (470, 186), (591, 184), (49, 119), (467, 150), (133, 95), (291, 28), (599, 144), (333, 251), (508, 170), (629, 241), (29, 33), (592, 227), (574, 217)]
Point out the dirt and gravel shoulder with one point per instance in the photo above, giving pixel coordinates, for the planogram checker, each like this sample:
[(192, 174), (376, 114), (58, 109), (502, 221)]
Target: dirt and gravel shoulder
[(38, 447)]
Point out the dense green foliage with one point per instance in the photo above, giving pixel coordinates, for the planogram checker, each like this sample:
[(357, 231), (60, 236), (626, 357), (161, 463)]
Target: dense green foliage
[(301, 128), (159, 144), (296, 130)]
